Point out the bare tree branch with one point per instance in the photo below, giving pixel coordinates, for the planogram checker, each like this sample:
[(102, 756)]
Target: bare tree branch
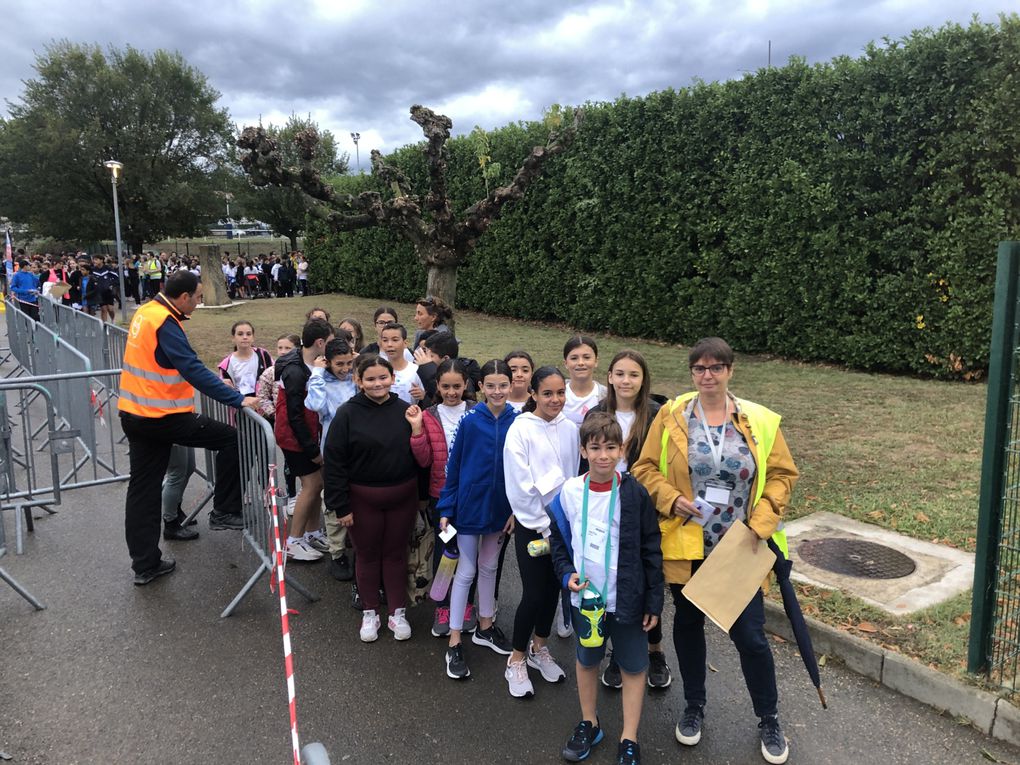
[(478, 217), (436, 128)]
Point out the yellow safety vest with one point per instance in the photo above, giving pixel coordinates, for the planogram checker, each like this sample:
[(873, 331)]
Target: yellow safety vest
[(764, 426), (146, 388)]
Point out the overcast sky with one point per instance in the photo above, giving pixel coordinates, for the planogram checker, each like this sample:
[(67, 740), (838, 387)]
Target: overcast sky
[(358, 66)]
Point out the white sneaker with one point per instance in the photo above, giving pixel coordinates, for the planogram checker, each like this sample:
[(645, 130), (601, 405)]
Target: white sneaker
[(543, 661), (301, 550), (398, 625), (517, 679), (317, 541), (563, 630), (290, 505), (369, 626)]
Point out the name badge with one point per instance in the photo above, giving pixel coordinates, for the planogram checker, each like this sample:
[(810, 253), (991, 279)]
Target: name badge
[(595, 543), (717, 495)]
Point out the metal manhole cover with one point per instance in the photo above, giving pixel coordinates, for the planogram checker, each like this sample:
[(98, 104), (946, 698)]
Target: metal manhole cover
[(853, 557)]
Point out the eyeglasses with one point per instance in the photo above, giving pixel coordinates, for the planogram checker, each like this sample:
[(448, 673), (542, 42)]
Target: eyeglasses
[(716, 369), (494, 387), (382, 323)]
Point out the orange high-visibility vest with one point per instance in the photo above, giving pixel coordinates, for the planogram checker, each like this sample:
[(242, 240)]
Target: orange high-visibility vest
[(146, 388)]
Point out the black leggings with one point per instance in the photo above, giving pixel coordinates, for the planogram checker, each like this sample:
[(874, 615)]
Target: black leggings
[(540, 591)]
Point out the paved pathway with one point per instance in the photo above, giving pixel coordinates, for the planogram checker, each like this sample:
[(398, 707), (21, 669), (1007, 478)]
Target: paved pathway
[(111, 673)]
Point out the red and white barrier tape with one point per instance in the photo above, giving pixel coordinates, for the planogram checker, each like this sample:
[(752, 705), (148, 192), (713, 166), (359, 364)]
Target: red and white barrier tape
[(277, 574)]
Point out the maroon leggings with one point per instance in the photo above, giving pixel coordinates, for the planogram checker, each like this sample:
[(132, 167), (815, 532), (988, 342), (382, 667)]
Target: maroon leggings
[(383, 516)]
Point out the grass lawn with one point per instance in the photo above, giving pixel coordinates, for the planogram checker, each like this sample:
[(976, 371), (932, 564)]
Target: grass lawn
[(897, 452)]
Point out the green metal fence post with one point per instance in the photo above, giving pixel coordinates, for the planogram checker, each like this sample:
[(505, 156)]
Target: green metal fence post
[(1000, 385)]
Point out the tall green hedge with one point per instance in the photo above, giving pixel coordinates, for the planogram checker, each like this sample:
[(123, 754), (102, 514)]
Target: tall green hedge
[(845, 212)]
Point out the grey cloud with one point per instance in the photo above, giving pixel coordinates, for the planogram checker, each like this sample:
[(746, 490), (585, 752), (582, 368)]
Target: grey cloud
[(365, 69)]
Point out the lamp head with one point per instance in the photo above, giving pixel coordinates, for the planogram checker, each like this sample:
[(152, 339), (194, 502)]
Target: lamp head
[(114, 167)]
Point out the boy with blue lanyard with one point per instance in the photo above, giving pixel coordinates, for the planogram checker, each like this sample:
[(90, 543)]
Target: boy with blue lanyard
[(606, 549)]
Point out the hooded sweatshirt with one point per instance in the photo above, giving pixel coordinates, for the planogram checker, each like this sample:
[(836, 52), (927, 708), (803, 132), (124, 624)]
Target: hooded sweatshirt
[(538, 458), (326, 394), (368, 444), (474, 496)]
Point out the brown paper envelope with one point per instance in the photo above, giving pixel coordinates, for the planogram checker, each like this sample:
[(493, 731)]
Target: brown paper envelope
[(725, 583)]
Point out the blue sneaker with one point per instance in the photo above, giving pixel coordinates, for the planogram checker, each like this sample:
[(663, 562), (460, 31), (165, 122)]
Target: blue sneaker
[(581, 742), (628, 753)]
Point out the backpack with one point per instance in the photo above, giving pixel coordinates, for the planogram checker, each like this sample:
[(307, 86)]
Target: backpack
[(419, 560)]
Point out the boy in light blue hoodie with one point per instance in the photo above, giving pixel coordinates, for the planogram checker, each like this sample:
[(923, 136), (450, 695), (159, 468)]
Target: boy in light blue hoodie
[(329, 388)]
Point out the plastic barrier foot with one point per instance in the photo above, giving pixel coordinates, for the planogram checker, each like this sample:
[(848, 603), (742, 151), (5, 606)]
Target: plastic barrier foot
[(314, 754)]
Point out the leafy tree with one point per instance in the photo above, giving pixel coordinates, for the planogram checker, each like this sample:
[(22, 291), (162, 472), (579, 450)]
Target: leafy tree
[(442, 239), (284, 208), (154, 113)]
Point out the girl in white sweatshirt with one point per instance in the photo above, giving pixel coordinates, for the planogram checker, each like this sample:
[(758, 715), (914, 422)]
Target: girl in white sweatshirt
[(541, 452)]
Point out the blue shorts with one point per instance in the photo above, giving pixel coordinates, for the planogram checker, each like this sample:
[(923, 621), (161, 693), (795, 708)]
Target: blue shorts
[(630, 645)]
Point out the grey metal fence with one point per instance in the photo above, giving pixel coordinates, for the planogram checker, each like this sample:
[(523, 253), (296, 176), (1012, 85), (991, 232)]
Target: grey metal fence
[(257, 456)]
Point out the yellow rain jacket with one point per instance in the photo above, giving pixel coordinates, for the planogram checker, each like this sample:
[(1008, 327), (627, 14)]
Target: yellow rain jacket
[(663, 470)]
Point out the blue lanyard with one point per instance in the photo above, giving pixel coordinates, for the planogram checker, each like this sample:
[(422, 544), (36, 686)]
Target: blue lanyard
[(609, 530)]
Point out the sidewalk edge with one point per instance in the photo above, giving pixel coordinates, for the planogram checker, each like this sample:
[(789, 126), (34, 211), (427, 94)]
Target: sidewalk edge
[(987, 712)]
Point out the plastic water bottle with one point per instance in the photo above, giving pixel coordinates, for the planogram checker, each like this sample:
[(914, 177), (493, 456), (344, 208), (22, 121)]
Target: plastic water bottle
[(592, 630), (444, 574)]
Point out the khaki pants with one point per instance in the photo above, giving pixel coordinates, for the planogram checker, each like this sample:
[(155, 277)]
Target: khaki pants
[(336, 534)]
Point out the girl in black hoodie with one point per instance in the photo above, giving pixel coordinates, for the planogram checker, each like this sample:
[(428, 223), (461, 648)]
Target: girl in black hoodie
[(371, 482)]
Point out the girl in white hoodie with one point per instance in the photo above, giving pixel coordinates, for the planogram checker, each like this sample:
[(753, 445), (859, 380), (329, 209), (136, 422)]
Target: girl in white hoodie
[(541, 452)]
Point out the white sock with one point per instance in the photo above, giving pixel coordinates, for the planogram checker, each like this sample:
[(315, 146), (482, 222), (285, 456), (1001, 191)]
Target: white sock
[(291, 540)]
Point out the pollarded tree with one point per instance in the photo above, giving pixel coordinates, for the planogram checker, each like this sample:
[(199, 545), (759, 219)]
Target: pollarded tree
[(442, 240), (283, 208), (154, 113)]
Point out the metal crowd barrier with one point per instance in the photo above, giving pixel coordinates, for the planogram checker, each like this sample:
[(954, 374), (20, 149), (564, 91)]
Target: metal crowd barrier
[(256, 451), (14, 582), (102, 343)]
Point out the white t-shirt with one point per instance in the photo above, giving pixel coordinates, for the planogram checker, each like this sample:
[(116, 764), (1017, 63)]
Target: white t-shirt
[(302, 270), (403, 380), (276, 272), (626, 420), (449, 418), (517, 406), (577, 407), (593, 549), (244, 373)]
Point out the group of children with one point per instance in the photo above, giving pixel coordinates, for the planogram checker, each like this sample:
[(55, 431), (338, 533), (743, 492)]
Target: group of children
[(541, 458)]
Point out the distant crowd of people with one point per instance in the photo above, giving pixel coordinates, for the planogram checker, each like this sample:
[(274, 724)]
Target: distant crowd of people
[(91, 282)]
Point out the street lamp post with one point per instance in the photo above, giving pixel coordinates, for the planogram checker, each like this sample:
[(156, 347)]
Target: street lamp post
[(115, 167), (357, 137)]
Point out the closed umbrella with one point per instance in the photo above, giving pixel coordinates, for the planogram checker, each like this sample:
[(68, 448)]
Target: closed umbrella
[(791, 605)]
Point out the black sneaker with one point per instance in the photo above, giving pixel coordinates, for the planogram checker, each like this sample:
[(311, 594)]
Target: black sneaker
[(456, 667), (356, 603), (160, 569), (492, 638), (773, 742), (688, 730), (629, 753), (182, 518), (611, 677), (341, 568), (659, 675), (579, 746), (229, 521), (174, 531)]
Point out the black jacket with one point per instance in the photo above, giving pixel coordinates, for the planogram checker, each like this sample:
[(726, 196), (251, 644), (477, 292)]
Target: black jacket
[(292, 372), (368, 444), (639, 579)]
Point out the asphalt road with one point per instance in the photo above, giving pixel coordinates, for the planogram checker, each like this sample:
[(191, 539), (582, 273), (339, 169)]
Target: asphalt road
[(111, 673)]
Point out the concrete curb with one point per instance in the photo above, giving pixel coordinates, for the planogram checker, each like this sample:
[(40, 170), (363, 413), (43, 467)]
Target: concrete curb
[(986, 711)]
